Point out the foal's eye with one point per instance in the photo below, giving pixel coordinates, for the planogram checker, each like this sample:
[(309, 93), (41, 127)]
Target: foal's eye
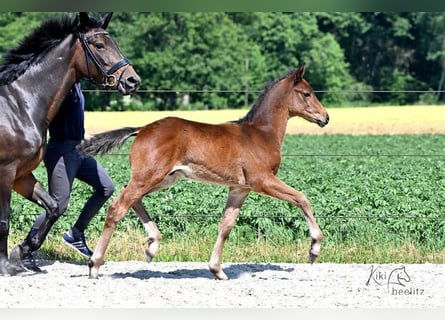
[(307, 94)]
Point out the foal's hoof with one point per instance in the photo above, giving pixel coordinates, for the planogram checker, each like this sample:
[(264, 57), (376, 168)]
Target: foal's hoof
[(148, 256), (219, 274), (312, 257), (93, 271)]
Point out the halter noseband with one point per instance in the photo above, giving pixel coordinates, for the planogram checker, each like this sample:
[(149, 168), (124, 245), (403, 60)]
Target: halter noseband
[(108, 77)]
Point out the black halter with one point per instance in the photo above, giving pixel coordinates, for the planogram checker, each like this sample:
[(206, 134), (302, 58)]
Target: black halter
[(108, 77)]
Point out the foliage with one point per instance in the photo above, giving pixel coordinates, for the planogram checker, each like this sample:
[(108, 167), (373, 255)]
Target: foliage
[(190, 51), (196, 60)]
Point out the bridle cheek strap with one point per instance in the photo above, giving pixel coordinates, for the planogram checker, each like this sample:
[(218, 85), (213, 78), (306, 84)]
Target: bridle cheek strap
[(108, 77)]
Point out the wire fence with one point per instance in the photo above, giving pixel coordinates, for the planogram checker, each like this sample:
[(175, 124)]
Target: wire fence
[(258, 91), (283, 217), (278, 216), (274, 216), (376, 155)]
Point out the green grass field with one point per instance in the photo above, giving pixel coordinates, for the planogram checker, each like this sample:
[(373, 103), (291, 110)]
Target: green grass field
[(378, 198)]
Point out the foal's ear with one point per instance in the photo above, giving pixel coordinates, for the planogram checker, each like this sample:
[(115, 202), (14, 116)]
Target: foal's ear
[(106, 20), (299, 73)]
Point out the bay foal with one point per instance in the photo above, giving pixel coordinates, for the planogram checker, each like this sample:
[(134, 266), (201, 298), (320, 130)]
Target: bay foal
[(244, 155)]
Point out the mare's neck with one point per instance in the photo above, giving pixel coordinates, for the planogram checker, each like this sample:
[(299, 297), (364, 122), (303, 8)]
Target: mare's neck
[(45, 84)]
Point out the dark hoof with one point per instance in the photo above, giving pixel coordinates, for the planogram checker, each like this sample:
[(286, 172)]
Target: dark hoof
[(312, 257), (7, 268), (16, 255)]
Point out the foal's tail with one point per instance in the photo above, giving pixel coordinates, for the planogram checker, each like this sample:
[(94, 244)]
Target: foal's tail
[(104, 142)]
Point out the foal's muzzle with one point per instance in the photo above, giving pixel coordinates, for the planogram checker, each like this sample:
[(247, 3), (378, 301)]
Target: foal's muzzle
[(322, 122)]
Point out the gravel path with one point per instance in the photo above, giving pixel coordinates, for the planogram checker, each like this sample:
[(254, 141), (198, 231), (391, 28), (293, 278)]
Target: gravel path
[(182, 284)]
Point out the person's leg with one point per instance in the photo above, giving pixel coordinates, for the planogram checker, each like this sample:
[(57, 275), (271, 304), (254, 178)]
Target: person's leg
[(92, 173)]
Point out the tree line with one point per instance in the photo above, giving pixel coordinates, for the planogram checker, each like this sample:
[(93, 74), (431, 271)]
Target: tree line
[(214, 60)]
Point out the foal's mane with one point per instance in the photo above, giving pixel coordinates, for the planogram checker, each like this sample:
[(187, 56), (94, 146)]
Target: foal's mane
[(248, 117), (37, 44)]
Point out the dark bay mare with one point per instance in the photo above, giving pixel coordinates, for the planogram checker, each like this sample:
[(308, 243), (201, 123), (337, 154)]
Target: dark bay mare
[(34, 79), (244, 155)]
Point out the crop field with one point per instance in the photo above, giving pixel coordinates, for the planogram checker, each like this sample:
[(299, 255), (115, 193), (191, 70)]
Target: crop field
[(363, 120), (370, 190)]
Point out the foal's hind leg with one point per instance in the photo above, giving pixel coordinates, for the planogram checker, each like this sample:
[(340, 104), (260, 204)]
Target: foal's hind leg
[(274, 187), (116, 211), (231, 212), (154, 236), (139, 185)]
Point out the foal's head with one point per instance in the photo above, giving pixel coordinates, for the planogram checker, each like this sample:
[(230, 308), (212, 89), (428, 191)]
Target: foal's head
[(101, 60), (304, 103)]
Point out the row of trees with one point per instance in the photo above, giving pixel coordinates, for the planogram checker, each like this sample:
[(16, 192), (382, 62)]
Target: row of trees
[(197, 60)]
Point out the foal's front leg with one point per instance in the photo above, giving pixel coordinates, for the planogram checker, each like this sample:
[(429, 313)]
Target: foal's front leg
[(235, 200), (153, 234)]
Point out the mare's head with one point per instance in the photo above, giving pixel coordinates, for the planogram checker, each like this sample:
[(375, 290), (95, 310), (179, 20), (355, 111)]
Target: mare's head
[(101, 60), (304, 103)]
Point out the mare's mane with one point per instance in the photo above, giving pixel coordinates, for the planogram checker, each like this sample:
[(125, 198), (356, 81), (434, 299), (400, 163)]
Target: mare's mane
[(248, 117), (37, 44)]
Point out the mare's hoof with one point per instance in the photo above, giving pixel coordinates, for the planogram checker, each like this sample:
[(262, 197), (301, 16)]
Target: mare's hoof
[(16, 254), (11, 269)]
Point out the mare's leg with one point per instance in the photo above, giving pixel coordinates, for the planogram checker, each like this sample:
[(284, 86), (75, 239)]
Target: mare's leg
[(6, 183), (236, 198), (274, 187), (153, 234), (32, 190)]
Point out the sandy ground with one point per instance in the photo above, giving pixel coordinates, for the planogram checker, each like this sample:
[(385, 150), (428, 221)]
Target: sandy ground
[(135, 284)]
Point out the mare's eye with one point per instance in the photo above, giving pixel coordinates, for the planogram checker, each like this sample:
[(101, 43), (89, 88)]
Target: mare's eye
[(99, 45), (307, 94)]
